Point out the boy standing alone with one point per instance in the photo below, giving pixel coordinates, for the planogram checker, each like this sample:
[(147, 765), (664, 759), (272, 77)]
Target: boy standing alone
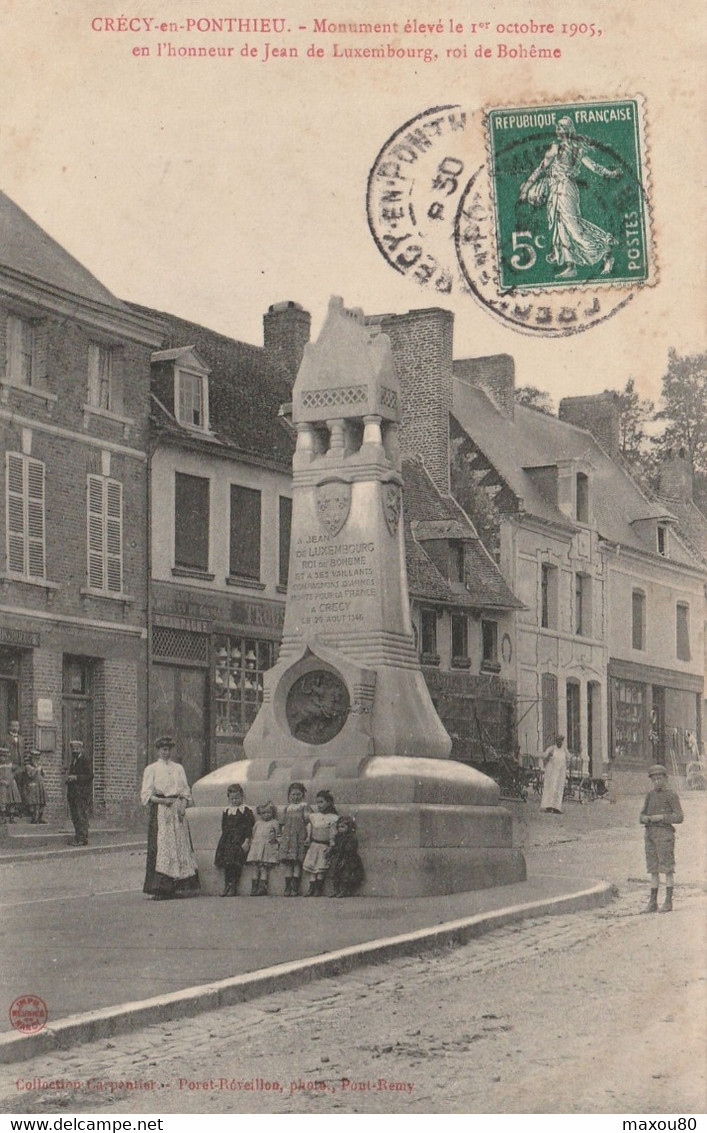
[(661, 811)]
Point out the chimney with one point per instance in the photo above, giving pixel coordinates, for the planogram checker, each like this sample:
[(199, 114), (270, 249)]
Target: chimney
[(495, 375), (597, 413), (422, 351), (676, 479), (286, 328)]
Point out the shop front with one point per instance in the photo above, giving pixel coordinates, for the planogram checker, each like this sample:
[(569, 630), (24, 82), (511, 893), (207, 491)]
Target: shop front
[(655, 716), (209, 654)]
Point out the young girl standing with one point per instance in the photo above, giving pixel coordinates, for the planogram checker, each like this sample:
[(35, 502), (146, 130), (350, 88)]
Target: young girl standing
[(264, 847), (321, 830), (293, 840), (36, 793)]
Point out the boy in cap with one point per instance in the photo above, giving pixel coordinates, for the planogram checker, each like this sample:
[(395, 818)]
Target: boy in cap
[(660, 812)]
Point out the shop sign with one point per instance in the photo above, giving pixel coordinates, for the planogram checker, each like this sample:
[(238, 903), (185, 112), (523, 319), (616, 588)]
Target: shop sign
[(19, 637)]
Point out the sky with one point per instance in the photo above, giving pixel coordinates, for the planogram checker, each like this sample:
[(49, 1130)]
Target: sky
[(211, 188)]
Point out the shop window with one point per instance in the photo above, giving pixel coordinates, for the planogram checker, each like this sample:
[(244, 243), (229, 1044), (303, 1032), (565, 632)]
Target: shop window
[(241, 663), (428, 637), (682, 631), (582, 605), (244, 561), (285, 531), (25, 516), (105, 534), (638, 619), (574, 738), (548, 596), (582, 498), (191, 522), (489, 645), (191, 400), (460, 641)]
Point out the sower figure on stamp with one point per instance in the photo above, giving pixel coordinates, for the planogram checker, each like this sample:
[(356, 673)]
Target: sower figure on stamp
[(555, 183), (79, 782), (660, 812)]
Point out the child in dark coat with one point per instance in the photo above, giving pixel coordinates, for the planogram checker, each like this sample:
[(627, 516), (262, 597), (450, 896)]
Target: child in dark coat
[(237, 822), (345, 865)]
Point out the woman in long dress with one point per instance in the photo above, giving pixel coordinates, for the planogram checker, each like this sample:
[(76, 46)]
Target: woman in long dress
[(574, 239), (171, 865), (555, 760)]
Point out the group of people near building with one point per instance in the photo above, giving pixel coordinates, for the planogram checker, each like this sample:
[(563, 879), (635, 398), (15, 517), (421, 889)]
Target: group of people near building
[(22, 790), (303, 840)]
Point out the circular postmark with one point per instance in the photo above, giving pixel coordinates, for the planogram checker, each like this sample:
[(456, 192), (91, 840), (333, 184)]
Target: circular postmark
[(28, 1014), (550, 236)]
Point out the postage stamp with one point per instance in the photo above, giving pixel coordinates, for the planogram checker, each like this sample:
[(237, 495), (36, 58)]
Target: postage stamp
[(550, 234), (569, 194), (28, 1014)]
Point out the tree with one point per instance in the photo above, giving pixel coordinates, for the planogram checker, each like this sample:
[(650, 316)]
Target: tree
[(634, 413), (684, 408), (533, 398)]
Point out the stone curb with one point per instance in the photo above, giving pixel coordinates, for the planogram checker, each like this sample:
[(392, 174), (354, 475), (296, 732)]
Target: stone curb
[(108, 1021), (41, 855)]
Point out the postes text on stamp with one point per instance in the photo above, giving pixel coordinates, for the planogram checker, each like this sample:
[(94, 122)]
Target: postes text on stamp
[(568, 192)]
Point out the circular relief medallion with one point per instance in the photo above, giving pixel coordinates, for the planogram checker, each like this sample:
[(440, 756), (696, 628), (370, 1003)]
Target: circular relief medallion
[(317, 707)]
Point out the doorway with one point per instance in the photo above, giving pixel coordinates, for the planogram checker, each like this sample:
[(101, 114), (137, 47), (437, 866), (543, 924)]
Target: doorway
[(180, 706)]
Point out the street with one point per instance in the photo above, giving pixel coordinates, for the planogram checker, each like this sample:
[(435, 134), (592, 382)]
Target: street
[(600, 1011)]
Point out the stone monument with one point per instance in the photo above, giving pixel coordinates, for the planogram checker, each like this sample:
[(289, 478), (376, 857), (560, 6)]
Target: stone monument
[(346, 706)]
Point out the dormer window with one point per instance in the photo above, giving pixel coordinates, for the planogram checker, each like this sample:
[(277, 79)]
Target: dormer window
[(582, 498), (662, 540), (191, 399), (456, 561), (180, 381)]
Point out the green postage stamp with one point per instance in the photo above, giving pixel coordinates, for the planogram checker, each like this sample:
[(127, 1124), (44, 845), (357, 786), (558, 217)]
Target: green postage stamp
[(570, 192)]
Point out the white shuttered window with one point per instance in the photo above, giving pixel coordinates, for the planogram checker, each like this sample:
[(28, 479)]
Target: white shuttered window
[(26, 554), (105, 534)]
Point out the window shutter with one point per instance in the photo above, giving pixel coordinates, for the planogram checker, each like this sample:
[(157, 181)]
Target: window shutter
[(95, 532), (114, 536), (35, 519), (15, 514), (14, 348), (93, 365), (41, 351)]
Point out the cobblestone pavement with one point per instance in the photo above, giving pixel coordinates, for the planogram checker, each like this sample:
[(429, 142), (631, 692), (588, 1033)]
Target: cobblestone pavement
[(592, 1012)]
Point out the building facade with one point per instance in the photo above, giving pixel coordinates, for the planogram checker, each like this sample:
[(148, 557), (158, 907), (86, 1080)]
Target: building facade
[(74, 390)]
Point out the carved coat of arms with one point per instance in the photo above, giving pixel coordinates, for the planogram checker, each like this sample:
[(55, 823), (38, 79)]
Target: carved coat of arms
[(333, 504), (392, 504)]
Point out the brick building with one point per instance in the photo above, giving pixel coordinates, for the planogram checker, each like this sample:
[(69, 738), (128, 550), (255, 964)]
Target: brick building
[(74, 389), (609, 646)]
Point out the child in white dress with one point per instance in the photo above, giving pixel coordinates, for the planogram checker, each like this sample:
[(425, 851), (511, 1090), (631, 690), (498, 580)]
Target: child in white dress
[(321, 830), (264, 850)]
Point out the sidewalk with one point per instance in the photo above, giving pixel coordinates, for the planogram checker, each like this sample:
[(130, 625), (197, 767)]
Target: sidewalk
[(105, 959), (22, 841)]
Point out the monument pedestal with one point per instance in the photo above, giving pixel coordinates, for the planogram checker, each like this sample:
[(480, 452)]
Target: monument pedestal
[(346, 707)]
